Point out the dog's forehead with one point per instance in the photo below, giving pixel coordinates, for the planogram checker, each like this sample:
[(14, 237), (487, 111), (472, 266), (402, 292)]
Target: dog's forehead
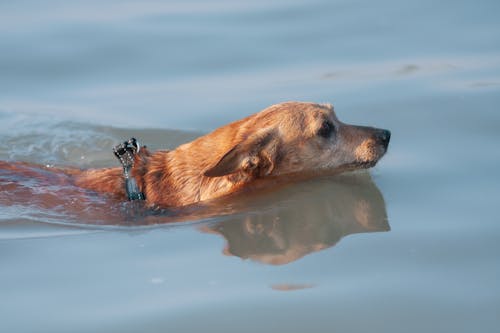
[(300, 116), (317, 113), (302, 109), (325, 110)]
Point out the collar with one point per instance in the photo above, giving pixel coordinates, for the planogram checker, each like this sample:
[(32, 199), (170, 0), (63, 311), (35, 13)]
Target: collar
[(125, 153)]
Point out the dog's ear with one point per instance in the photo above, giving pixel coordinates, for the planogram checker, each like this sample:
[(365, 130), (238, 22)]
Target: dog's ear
[(255, 155)]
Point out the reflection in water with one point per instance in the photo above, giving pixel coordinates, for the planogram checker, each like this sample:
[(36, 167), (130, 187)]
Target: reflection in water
[(303, 218)]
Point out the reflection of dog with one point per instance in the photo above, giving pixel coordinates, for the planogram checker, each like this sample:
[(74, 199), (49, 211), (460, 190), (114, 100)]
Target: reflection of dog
[(289, 139), (282, 143), (310, 219)]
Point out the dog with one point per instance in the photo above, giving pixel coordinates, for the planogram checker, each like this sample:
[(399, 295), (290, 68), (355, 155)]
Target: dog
[(283, 143), (292, 140)]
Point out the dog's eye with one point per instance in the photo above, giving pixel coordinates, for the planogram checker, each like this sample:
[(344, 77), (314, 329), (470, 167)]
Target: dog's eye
[(326, 130)]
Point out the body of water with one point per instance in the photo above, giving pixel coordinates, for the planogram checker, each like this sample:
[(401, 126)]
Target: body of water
[(410, 246)]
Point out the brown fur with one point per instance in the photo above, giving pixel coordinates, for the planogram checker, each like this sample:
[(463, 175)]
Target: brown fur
[(280, 140), (280, 143)]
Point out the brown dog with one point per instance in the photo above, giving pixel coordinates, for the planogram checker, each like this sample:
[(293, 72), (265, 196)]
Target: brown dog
[(284, 142)]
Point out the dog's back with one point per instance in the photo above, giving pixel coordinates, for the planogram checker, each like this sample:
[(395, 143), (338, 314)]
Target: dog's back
[(34, 184)]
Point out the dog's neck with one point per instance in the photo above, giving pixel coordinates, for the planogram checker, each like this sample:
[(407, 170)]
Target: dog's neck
[(175, 178), (167, 178)]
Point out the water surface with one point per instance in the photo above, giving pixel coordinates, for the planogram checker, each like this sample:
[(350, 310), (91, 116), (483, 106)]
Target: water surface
[(412, 246)]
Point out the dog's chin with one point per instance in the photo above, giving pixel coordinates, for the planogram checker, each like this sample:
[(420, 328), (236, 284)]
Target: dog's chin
[(358, 165), (366, 163)]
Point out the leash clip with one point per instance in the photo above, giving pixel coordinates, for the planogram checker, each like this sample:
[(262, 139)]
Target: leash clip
[(125, 153)]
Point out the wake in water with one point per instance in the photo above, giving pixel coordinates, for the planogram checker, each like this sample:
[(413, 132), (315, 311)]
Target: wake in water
[(36, 189)]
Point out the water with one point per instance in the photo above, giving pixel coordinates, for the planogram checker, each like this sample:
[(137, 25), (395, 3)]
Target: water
[(411, 247)]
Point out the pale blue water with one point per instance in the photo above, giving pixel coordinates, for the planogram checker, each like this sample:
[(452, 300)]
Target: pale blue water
[(414, 249)]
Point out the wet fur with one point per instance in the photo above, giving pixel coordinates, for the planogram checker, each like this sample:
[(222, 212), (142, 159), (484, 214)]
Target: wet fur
[(280, 143)]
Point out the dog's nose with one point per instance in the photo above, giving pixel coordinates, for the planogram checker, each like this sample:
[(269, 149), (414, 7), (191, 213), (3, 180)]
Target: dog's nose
[(384, 136)]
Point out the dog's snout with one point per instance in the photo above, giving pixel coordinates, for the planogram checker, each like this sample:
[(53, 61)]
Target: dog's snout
[(383, 136)]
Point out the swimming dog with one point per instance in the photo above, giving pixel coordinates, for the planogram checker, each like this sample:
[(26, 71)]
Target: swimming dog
[(284, 142)]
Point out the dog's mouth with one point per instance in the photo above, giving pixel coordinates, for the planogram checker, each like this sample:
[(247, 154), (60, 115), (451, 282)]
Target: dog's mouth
[(359, 165), (367, 156), (369, 152)]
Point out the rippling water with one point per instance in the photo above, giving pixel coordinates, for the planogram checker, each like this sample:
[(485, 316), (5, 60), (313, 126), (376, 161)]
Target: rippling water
[(411, 247)]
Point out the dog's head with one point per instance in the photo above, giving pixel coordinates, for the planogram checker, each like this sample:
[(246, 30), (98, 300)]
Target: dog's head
[(299, 138)]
